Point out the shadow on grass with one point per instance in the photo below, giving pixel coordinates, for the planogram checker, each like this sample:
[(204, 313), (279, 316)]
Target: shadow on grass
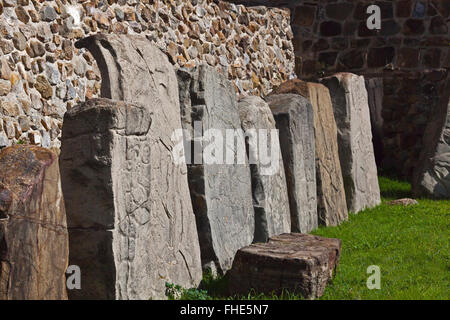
[(393, 188), (216, 287)]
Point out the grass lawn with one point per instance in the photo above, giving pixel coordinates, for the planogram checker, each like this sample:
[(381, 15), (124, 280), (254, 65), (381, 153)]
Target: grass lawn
[(409, 244)]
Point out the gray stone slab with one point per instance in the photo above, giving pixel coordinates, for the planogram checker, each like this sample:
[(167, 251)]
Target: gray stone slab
[(351, 111), (221, 192), (269, 188), (331, 203), (432, 175), (294, 118), (375, 91), (127, 202)]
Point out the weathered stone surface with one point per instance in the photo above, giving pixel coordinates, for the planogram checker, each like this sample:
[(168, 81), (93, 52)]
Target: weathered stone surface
[(293, 262), (403, 202), (331, 203), (221, 193), (375, 94), (145, 214), (351, 111), (33, 229), (295, 121), (432, 175), (269, 188)]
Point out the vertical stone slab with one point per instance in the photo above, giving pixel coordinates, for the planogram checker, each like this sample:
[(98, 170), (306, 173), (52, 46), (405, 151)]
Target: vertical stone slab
[(351, 111), (130, 218), (269, 188), (331, 204), (432, 175), (295, 121), (375, 93), (221, 191), (33, 230)]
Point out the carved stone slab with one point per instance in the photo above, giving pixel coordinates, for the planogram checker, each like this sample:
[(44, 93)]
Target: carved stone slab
[(269, 188), (146, 192), (221, 192), (331, 203), (34, 245), (130, 218), (295, 120), (351, 111)]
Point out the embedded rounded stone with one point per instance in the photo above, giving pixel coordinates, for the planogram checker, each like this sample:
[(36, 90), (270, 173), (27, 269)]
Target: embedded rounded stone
[(48, 13), (22, 14), (43, 86), (19, 41)]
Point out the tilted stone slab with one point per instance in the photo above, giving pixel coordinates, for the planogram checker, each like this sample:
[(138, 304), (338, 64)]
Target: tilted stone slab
[(351, 111), (432, 175), (375, 91), (331, 203), (152, 193), (295, 120), (34, 246), (296, 263), (269, 188), (221, 191)]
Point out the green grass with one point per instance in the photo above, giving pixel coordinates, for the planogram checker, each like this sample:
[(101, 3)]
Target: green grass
[(409, 244)]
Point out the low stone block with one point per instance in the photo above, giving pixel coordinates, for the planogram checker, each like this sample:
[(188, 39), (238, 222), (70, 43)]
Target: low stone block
[(351, 111), (269, 188), (331, 203), (33, 230), (295, 121), (220, 187), (297, 263)]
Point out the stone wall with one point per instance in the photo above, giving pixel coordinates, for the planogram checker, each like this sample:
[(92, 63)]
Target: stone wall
[(331, 36), (42, 74)]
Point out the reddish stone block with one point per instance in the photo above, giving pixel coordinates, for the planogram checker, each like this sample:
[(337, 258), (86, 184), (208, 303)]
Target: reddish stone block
[(438, 26), (330, 28), (328, 59), (408, 58), (432, 58), (304, 15), (364, 32), (403, 8), (339, 11), (380, 57), (354, 59), (295, 262), (413, 27)]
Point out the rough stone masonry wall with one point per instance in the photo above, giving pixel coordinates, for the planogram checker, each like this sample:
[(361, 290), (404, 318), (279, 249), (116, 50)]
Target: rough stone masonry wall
[(42, 74), (331, 36)]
